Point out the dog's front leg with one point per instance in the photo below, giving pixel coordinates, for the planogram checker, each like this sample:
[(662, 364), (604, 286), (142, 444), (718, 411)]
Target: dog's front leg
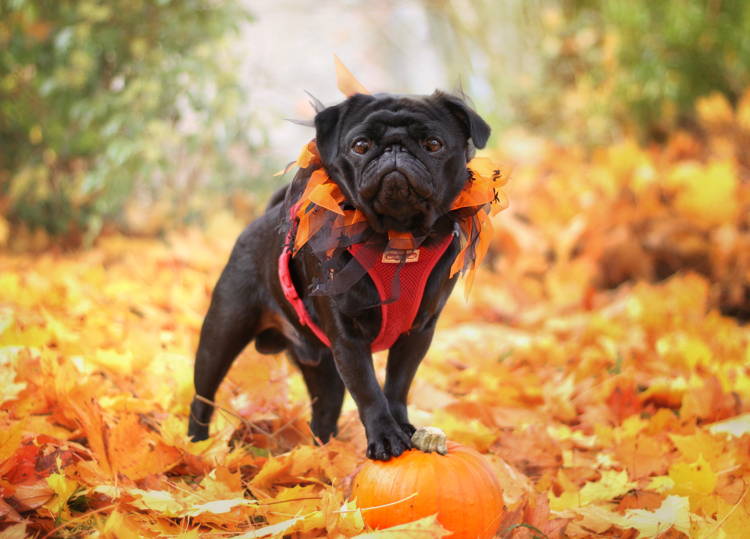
[(404, 358), (385, 439)]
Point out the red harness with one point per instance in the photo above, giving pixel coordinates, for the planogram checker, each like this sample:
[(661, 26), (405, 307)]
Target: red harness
[(397, 316)]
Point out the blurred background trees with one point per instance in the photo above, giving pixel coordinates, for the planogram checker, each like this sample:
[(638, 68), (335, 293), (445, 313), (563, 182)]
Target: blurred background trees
[(625, 124), (592, 70), (117, 103), (627, 127)]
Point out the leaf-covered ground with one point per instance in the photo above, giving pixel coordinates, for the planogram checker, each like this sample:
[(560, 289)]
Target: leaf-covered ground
[(610, 400)]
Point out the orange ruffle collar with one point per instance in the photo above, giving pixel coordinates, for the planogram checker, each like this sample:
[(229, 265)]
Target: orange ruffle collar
[(481, 198)]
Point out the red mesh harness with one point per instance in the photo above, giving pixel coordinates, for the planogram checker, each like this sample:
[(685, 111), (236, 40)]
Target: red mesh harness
[(397, 316)]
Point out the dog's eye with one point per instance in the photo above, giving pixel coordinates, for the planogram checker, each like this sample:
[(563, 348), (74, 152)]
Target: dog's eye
[(432, 144), (360, 145)]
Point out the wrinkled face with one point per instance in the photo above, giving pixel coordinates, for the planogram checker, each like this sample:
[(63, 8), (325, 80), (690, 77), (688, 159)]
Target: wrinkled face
[(401, 160)]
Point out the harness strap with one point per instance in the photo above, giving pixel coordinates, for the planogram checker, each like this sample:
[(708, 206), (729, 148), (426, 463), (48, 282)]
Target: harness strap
[(287, 285), (409, 268)]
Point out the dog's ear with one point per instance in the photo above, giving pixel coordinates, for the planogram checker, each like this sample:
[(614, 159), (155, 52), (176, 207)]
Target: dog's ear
[(328, 124), (476, 128)]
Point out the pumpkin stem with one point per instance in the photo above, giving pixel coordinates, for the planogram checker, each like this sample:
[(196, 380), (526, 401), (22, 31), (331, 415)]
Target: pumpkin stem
[(429, 440)]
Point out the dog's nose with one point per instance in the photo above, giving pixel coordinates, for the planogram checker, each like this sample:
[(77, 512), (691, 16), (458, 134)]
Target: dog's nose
[(395, 197), (395, 148), (395, 185)]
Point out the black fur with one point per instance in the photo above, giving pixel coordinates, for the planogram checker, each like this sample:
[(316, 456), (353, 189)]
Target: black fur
[(398, 184)]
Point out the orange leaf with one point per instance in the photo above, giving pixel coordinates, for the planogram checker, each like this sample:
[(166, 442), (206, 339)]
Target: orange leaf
[(135, 452), (89, 417)]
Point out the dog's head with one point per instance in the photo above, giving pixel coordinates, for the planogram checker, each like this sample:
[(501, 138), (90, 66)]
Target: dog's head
[(401, 160)]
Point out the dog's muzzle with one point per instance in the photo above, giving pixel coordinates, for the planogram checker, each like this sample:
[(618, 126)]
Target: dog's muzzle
[(396, 198), (401, 197)]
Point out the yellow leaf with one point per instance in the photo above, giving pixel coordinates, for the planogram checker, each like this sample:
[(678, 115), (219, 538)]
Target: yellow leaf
[(302, 500), (159, 501), (694, 479), (118, 526), (274, 529), (117, 362), (706, 194), (10, 439), (424, 527), (350, 521), (702, 445), (9, 388), (172, 376), (218, 507), (471, 432), (660, 483), (611, 485), (63, 489), (673, 513), (58, 330)]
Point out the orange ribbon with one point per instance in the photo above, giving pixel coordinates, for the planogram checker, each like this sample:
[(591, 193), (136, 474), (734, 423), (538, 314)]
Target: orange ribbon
[(482, 191)]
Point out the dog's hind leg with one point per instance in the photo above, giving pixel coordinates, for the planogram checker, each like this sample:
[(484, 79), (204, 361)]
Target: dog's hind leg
[(229, 326), (326, 390)]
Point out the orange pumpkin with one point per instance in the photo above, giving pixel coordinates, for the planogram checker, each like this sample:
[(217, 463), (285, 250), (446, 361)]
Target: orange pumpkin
[(458, 485)]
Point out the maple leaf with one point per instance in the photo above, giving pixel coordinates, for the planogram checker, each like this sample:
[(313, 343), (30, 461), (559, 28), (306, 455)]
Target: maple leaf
[(63, 488), (147, 456), (424, 527), (119, 526), (611, 485), (273, 529), (10, 441), (9, 388), (602, 392), (693, 479), (673, 513), (642, 456), (161, 501)]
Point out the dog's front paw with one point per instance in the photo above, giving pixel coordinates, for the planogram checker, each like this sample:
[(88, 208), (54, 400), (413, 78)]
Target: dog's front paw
[(408, 428), (385, 440)]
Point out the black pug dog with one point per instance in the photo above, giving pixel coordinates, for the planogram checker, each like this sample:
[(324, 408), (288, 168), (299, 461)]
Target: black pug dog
[(401, 160)]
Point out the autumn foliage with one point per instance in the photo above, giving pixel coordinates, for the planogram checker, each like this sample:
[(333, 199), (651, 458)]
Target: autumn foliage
[(592, 366)]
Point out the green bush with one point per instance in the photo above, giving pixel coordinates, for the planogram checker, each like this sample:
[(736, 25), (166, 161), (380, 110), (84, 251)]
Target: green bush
[(591, 69), (98, 98)]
